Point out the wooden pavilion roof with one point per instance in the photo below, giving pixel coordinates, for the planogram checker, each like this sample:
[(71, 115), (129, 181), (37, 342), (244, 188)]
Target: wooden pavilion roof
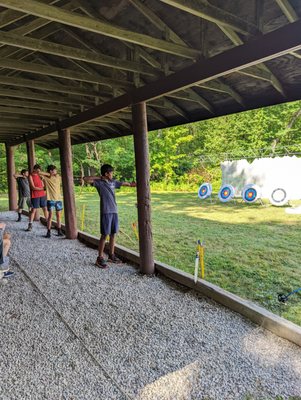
[(82, 63)]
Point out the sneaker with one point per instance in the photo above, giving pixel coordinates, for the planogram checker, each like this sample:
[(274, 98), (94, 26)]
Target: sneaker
[(113, 259), (19, 218), (48, 234), (8, 274), (29, 227), (59, 232), (101, 263)]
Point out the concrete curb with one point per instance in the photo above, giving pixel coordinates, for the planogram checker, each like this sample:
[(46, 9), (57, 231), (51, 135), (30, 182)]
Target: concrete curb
[(266, 319)]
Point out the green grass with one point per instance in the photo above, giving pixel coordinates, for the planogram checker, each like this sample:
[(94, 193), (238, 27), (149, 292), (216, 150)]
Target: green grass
[(251, 250)]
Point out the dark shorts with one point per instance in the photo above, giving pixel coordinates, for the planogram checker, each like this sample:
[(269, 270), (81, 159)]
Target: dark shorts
[(38, 202), (24, 200), (57, 205), (109, 224)]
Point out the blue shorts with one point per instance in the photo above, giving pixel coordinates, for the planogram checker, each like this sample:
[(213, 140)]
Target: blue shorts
[(57, 205), (109, 224), (38, 202)]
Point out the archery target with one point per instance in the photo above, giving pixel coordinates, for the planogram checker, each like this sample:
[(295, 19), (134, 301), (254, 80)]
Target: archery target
[(251, 193), (278, 197), (226, 193), (205, 191)]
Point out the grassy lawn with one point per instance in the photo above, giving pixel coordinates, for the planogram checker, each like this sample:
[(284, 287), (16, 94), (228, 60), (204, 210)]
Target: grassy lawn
[(251, 250)]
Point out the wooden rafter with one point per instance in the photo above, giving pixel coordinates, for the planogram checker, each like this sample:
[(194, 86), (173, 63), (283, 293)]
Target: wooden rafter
[(7, 17), (51, 116), (291, 15), (38, 105), (73, 53), (211, 13), (27, 94), (287, 10), (73, 19), (258, 72), (158, 22), (260, 49), (61, 73), (190, 94)]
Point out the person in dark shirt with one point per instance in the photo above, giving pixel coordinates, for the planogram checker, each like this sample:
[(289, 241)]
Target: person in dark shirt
[(23, 191), (106, 185)]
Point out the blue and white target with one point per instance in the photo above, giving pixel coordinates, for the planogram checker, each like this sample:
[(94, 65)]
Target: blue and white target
[(205, 190), (278, 197), (226, 193), (251, 193)]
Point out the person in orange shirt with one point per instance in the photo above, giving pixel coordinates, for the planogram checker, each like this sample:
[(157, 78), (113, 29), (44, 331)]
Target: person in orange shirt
[(38, 195)]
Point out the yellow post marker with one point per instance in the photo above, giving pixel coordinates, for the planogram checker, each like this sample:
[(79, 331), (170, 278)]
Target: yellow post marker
[(83, 217), (201, 251), (134, 226)]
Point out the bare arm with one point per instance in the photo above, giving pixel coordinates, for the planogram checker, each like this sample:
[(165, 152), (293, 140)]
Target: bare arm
[(44, 174), (18, 176), (129, 184), (32, 186), (91, 179)]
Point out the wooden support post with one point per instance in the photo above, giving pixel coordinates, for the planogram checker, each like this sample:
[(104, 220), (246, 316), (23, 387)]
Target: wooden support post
[(11, 183), (31, 157), (67, 181), (147, 265)]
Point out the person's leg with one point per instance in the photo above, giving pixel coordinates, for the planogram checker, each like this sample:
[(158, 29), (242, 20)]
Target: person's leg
[(32, 213), (112, 245), (45, 212), (59, 208), (6, 244), (101, 246), (58, 220), (28, 202), (101, 262), (49, 217), (20, 208), (43, 205), (114, 230)]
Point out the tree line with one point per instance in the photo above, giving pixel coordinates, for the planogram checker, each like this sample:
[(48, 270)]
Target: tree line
[(184, 156)]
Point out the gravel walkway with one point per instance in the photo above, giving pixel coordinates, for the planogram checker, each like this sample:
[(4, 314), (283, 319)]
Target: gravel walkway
[(72, 331)]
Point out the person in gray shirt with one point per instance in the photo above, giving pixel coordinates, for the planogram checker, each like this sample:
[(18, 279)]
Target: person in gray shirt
[(106, 185), (23, 191)]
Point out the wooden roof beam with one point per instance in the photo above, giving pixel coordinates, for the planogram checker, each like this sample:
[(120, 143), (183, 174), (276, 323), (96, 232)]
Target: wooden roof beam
[(205, 10), (260, 49), (291, 15), (88, 10), (157, 21), (287, 10), (26, 94), (259, 72), (191, 95), (7, 17), (52, 87), (73, 53), (57, 14), (51, 116), (30, 104), (219, 86), (60, 73)]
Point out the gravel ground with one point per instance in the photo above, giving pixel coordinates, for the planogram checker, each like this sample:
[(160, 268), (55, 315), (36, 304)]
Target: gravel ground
[(73, 331)]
